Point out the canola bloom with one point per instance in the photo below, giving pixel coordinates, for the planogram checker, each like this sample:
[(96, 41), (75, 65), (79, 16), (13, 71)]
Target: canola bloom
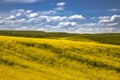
[(57, 59)]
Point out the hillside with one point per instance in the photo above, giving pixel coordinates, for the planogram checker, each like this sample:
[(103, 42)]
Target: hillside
[(107, 38), (59, 56)]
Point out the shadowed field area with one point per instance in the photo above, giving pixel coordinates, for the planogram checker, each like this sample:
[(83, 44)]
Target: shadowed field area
[(59, 56)]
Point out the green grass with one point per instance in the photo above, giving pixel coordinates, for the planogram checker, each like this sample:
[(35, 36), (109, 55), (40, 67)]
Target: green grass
[(66, 57)]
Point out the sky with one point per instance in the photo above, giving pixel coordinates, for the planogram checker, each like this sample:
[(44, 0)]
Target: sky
[(72, 16)]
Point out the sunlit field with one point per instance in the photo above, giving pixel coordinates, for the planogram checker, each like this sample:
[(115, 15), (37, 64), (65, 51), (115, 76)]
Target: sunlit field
[(65, 57)]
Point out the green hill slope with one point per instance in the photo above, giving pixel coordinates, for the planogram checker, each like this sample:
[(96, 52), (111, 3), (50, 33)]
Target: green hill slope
[(110, 38), (58, 59)]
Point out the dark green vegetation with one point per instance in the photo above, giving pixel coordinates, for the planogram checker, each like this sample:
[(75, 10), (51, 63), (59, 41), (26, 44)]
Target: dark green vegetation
[(107, 38)]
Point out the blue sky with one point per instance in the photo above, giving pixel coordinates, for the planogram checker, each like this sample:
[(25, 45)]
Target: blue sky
[(73, 16)]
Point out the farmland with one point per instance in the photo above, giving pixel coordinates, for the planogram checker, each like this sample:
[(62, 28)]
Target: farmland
[(34, 55)]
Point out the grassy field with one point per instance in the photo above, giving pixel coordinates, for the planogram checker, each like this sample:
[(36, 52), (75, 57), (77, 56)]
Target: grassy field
[(29, 55)]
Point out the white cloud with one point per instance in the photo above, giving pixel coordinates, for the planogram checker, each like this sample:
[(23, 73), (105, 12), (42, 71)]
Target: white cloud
[(73, 24), (104, 17), (41, 29), (2, 22), (59, 9), (18, 14), (28, 11), (67, 24), (109, 19), (115, 18), (104, 21), (55, 19), (23, 20), (28, 19), (112, 24), (18, 10), (52, 18), (49, 12), (31, 15), (61, 4), (58, 18), (23, 27), (80, 17), (22, 1), (114, 10), (11, 17)]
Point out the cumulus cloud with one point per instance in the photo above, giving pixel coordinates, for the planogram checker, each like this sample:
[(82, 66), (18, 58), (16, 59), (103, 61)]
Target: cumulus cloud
[(67, 24), (22, 19), (109, 23), (95, 28), (58, 8), (104, 17), (112, 24), (61, 4), (11, 17), (76, 17), (109, 19), (23, 27), (41, 29), (31, 15), (46, 18), (2, 22), (49, 12), (18, 14), (28, 11), (115, 18), (104, 24), (57, 18)]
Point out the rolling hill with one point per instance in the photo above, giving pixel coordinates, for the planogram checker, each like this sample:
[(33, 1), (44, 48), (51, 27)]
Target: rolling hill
[(34, 55)]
